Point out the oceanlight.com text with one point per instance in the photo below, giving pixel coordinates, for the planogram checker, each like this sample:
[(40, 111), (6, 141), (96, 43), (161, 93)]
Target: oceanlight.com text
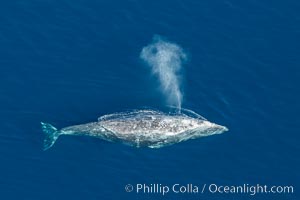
[(164, 189)]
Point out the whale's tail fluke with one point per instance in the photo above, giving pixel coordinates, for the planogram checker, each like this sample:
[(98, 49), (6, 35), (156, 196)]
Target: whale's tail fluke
[(51, 135)]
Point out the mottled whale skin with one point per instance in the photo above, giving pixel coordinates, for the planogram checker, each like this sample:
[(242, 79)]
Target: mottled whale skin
[(139, 128)]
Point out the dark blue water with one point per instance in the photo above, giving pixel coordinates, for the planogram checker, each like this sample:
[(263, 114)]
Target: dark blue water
[(69, 62)]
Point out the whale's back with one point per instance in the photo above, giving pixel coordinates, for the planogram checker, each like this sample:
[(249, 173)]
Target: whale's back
[(148, 122)]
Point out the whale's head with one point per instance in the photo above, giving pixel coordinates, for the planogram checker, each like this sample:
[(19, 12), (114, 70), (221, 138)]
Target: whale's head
[(207, 128)]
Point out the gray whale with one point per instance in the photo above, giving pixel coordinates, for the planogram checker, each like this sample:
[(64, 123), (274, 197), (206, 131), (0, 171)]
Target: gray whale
[(140, 128)]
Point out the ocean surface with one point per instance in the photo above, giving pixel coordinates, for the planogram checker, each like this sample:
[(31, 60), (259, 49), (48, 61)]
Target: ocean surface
[(68, 62)]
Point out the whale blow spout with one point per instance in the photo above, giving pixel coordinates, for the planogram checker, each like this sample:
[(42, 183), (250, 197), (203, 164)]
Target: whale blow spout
[(165, 60)]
